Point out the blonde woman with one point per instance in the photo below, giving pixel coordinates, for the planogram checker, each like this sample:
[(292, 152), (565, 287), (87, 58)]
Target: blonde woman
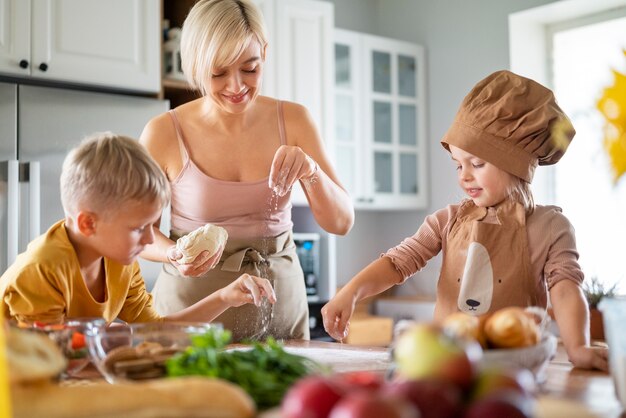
[(232, 157)]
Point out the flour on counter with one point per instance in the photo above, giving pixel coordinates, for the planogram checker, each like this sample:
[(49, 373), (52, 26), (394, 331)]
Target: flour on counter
[(342, 360)]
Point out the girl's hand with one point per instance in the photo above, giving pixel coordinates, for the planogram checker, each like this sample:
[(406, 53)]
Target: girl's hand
[(586, 357), (290, 164), (336, 315), (247, 289), (200, 265)]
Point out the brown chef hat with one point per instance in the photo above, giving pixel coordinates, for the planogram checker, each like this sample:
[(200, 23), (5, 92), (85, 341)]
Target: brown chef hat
[(511, 122)]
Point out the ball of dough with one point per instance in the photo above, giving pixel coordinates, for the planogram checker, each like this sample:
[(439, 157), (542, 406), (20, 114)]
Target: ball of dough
[(208, 237)]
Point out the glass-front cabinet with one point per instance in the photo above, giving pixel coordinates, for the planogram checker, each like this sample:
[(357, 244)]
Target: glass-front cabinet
[(380, 121)]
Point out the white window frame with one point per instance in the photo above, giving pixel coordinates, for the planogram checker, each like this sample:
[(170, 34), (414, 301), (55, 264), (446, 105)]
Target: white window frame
[(535, 27)]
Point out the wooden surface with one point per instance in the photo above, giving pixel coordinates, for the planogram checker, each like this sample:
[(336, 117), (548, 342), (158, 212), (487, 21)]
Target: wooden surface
[(592, 389), (567, 392)]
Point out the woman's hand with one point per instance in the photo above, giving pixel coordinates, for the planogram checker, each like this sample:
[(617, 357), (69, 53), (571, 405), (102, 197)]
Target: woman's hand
[(200, 265), (247, 289), (290, 164), (336, 315), (586, 357)]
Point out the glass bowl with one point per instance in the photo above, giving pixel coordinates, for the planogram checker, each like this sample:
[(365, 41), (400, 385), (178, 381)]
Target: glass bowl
[(70, 338), (131, 352), (534, 358)]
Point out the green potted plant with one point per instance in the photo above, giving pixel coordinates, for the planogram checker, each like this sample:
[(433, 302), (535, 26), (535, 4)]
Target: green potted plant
[(594, 291)]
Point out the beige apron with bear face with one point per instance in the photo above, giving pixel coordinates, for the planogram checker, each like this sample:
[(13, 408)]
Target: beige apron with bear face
[(273, 258), (486, 266)]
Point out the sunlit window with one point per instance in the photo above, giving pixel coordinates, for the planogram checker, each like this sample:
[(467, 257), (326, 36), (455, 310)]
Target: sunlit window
[(582, 57)]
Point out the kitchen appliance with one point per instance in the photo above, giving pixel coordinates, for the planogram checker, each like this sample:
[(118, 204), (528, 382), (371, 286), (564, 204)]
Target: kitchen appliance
[(38, 126), (308, 250)]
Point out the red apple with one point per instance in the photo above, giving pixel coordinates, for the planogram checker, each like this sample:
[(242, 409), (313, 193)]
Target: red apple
[(505, 403), (424, 351), (311, 397), (433, 398), (492, 380), (366, 404), (360, 379)]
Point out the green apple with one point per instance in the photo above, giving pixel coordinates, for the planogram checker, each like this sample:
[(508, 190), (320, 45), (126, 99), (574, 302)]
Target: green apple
[(424, 351)]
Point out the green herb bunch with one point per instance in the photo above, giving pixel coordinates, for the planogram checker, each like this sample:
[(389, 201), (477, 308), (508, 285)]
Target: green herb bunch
[(265, 372)]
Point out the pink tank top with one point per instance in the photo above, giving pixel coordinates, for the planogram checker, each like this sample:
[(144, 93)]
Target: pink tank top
[(246, 209)]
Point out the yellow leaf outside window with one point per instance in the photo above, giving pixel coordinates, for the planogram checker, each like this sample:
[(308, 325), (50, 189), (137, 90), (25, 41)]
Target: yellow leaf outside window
[(612, 106)]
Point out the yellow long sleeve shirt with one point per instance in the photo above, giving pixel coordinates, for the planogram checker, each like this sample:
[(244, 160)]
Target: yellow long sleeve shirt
[(45, 284)]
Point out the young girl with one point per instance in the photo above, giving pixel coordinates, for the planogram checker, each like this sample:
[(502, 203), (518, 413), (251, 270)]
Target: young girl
[(499, 248)]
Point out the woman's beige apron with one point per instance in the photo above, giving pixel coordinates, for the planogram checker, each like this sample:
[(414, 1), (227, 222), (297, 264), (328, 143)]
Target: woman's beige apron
[(287, 318), (486, 266)]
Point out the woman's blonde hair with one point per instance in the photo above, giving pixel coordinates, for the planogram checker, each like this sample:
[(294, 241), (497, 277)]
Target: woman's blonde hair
[(519, 191), (106, 171), (214, 35)]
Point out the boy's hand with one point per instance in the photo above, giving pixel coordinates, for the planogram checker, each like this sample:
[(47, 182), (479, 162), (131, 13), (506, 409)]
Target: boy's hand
[(200, 265), (336, 315), (586, 357), (247, 289)]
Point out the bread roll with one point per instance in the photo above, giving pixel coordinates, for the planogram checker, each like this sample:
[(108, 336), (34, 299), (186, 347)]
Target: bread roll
[(462, 325), (32, 356), (208, 237), (511, 328), (176, 397)]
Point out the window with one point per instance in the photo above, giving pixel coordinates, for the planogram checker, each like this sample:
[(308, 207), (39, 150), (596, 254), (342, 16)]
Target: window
[(582, 53), (571, 46)]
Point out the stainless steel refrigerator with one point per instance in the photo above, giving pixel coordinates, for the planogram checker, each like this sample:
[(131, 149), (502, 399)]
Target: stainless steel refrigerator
[(38, 126)]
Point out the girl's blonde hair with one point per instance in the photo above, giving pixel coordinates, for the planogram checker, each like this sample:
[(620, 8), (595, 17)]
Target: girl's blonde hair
[(214, 35), (106, 171), (520, 192)]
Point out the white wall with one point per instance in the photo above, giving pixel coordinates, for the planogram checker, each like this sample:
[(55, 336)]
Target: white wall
[(464, 41)]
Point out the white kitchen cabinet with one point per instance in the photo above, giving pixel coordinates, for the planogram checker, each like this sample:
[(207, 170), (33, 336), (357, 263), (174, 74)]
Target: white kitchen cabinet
[(113, 43), (300, 64), (380, 132)]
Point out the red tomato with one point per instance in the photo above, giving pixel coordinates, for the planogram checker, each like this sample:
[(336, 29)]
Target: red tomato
[(311, 397), (48, 327), (78, 341)]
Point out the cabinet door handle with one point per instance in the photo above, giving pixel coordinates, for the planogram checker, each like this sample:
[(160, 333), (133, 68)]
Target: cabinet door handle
[(24, 64), (43, 66)]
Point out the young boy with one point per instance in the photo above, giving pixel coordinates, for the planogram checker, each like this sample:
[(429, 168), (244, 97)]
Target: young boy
[(85, 265)]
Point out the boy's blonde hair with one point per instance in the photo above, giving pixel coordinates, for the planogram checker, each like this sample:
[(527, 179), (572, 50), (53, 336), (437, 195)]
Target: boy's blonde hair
[(107, 170), (214, 35)]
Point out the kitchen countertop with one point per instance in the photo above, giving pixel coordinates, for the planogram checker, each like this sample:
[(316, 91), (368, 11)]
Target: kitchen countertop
[(593, 389), (585, 393)]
